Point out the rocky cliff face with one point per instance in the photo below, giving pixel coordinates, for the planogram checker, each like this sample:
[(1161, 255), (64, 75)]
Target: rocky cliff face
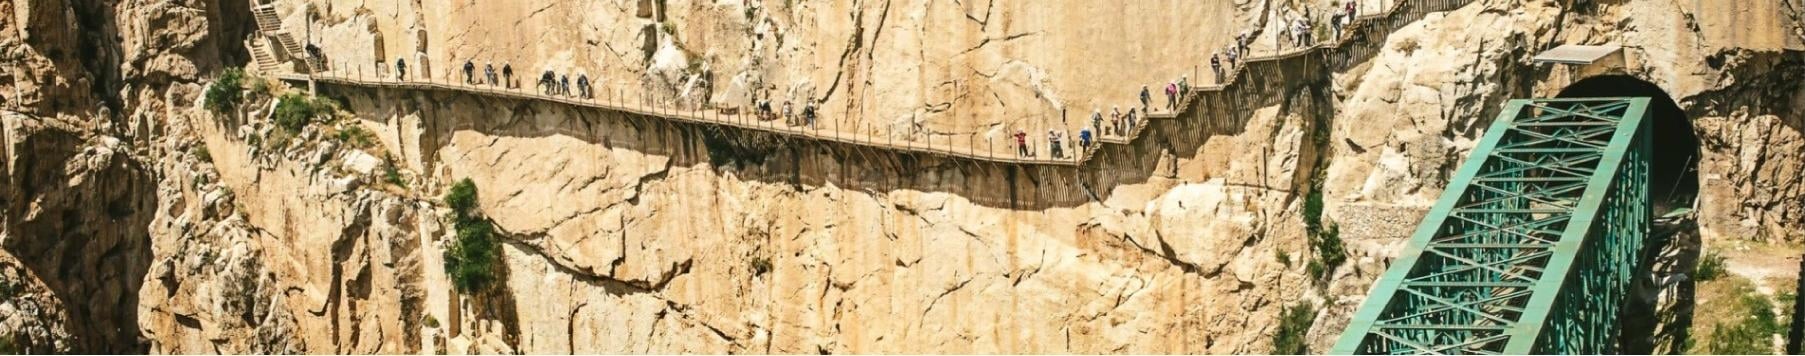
[(136, 221)]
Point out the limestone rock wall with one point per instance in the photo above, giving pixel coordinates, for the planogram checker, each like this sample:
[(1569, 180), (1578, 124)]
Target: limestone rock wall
[(175, 230)]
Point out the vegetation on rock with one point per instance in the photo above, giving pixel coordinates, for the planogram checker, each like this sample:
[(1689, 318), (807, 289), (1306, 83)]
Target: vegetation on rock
[(1752, 330), (227, 91), (295, 111), (472, 258), (1294, 323)]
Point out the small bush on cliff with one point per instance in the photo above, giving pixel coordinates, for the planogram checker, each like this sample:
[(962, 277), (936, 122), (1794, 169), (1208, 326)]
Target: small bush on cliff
[(462, 199), (392, 174), (1294, 324), (227, 91), (1330, 252), (356, 136), (296, 111), (472, 257)]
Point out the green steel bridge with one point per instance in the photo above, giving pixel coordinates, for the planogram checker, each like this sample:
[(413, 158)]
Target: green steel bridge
[(1533, 246)]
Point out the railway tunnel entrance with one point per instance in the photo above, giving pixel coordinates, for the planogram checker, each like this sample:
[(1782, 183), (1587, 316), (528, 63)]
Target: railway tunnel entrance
[(1657, 312), (1673, 177)]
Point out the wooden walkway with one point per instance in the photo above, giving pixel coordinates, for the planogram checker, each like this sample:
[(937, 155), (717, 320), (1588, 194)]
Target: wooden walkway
[(997, 150)]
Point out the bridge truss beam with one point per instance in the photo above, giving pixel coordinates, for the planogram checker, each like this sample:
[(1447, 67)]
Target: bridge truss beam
[(1531, 248)]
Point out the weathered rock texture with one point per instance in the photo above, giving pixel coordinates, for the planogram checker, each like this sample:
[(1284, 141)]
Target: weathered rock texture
[(140, 222)]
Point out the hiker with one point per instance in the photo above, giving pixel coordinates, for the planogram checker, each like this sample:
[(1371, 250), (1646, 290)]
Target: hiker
[(1335, 21), (583, 86), (764, 110), (1129, 128), (1021, 143), (1146, 98), (507, 74), (313, 51), (1097, 118), (788, 119), (564, 85), (1233, 56), (1172, 96), (1216, 65), (1353, 12), (1115, 120), (469, 72), (1053, 144), (1245, 41), (808, 113), (1184, 84), (1084, 140), (489, 73), (545, 83), (400, 68)]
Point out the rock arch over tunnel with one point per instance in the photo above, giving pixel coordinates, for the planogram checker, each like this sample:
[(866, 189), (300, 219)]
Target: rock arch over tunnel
[(1673, 179)]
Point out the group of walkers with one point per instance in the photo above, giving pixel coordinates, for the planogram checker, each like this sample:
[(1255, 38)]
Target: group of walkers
[(807, 117), (1301, 30), (552, 83), (488, 77)]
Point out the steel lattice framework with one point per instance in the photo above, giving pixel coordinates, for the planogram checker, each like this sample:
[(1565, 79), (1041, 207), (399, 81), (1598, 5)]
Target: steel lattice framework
[(1530, 249)]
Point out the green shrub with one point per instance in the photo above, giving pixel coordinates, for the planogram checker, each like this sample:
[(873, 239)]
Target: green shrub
[(1313, 211), (1753, 334), (391, 174), (1294, 325), (461, 198), (260, 87), (227, 91), (356, 136), (431, 322), (471, 258), (296, 111), (200, 152), (1710, 267), (1283, 257), (1330, 251)]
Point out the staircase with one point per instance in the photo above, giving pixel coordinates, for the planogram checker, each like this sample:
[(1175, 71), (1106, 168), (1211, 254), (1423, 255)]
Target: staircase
[(261, 55), (270, 25)]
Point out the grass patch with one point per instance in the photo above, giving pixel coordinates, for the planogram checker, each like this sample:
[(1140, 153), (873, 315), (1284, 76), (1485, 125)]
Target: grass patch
[(261, 88), (200, 152), (1742, 320), (392, 174), (227, 91), (1710, 267), (1294, 324), (472, 258)]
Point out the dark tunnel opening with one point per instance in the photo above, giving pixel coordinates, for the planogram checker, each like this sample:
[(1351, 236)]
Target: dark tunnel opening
[(1672, 246), (1673, 176)]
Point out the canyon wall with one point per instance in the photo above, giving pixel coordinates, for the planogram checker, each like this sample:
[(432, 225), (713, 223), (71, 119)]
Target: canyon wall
[(137, 221)]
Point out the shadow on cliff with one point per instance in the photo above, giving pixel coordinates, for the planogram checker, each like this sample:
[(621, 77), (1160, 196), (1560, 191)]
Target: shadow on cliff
[(84, 233)]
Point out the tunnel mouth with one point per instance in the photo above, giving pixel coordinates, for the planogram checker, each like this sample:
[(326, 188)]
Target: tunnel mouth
[(1673, 175)]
